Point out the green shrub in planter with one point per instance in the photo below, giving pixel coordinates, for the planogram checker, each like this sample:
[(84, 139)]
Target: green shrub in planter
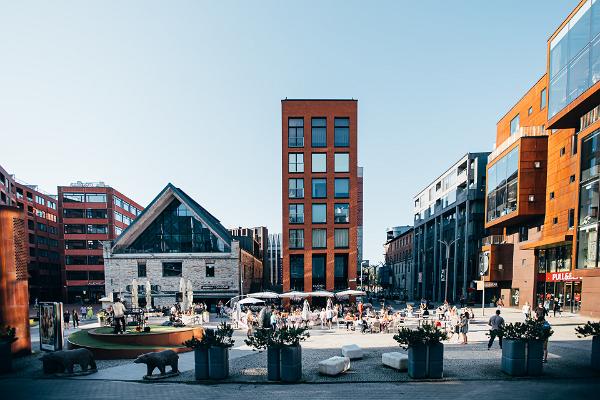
[(523, 347), (536, 334), (291, 352), (592, 329), (267, 338), (7, 338), (201, 347), (425, 350)]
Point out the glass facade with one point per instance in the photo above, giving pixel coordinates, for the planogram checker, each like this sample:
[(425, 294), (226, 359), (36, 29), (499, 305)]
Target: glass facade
[(555, 259), (502, 182), (575, 57), (319, 132), (176, 230), (589, 203)]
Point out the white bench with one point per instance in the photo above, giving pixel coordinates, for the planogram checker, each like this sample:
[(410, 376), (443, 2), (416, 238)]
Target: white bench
[(395, 360), (352, 351), (334, 365)]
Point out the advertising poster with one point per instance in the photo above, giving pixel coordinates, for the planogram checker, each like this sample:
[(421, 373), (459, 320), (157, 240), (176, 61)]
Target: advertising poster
[(51, 326)]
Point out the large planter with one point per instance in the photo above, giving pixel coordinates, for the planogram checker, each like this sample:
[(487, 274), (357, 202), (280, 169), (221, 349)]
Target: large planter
[(201, 363), (426, 361), (291, 363), (596, 353), (535, 357), (218, 362), (6, 356), (273, 363), (514, 362)]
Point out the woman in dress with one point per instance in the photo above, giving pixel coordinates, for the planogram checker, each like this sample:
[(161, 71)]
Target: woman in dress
[(464, 327)]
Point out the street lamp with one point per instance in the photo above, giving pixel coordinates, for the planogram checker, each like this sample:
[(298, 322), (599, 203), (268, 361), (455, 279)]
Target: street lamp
[(447, 260)]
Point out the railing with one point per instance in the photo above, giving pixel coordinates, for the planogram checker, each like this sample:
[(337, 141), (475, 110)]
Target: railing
[(493, 239), (524, 131)]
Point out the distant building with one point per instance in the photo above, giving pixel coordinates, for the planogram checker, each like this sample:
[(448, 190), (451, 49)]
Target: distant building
[(175, 238), (274, 262), (260, 238), (399, 263), (396, 231)]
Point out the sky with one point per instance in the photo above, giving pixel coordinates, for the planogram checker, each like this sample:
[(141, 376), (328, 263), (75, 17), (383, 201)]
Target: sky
[(141, 93)]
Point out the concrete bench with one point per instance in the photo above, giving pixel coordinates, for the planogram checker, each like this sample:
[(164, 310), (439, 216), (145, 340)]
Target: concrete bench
[(352, 351), (395, 360), (334, 365)]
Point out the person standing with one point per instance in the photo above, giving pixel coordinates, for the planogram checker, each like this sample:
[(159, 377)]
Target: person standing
[(526, 310), (83, 312), (329, 316), (541, 312), (495, 323), (119, 316), (75, 319), (464, 327), (90, 312), (67, 318), (360, 309)]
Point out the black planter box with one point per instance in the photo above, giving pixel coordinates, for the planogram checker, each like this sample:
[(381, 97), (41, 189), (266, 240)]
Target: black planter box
[(426, 361), (201, 364), (291, 363), (218, 362), (514, 362), (5, 356), (273, 364), (535, 357), (436, 361), (596, 353)]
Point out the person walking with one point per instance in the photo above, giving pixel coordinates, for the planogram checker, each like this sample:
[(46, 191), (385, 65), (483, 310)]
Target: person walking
[(90, 312), (557, 308), (83, 312), (541, 312), (495, 323), (526, 310), (119, 316), (67, 318), (75, 319), (546, 326), (329, 316)]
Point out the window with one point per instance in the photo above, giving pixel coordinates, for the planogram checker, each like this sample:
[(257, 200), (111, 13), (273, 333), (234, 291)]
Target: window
[(171, 269), (73, 197), (96, 213), (318, 271), (319, 213), (341, 213), (588, 203), (42, 227), (562, 151), (319, 238), (342, 162), (75, 244), (341, 132), (514, 125), (118, 230), (296, 213), (296, 132), (551, 195), (74, 228), (502, 179), (141, 269), (296, 188), (297, 272), (296, 238), (40, 200), (210, 270), (530, 111), (296, 162), (555, 220), (571, 218), (340, 272), (76, 260), (574, 144), (319, 188), (341, 238), (319, 132), (543, 99), (97, 229), (73, 213), (572, 179), (95, 197), (342, 187), (51, 204), (319, 162), (523, 233)]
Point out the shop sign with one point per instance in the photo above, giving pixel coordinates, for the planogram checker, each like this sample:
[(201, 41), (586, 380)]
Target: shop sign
[(214, 287), (487, 285), (561, 277), (96, 283)]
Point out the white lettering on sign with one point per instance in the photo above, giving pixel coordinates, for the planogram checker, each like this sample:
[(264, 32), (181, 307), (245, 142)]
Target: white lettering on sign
[(561, 276)]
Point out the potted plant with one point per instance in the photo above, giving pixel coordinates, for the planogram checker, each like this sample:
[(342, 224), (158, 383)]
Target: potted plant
[(291, 352), (514, 345), (536, 334), (7, 338), (267, 338), (218, 353), (425, 350), (201, 347), (592, 329)]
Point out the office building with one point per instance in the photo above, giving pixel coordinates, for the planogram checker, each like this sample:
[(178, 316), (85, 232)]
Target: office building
[(255, 240), (449, 212), (320, 196), (274, 262), (399, 264)]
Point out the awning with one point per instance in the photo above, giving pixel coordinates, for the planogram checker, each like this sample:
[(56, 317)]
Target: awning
[(545, 243)]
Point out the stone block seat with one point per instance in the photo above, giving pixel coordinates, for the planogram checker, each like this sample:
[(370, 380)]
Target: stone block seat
[(334, 366), (395, 360), (352, 351)]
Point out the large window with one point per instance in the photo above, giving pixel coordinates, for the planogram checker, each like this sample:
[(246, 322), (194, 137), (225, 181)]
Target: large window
[(340, 271), (554, 259), (74, 228), (514, 125), (171, 269), (296, 162), (97, 229), (296, 213), (319, 132), (589, 203), (319, 162), (296, 132), (319, 213), (319, 238), (318, 272), (296, 188), (342, 188), (502, 182), (341, 213), (319, 188), (296, 238), (73, 197), (297, 272), (341, 238), (543, 99), (95, 197), (141, 269), (574, 57), (341, 132), (342, 162), (93, 213)]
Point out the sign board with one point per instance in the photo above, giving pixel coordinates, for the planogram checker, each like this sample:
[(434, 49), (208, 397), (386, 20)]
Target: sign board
[(559, 277), (51, 326), (213, 287), (487, 285)]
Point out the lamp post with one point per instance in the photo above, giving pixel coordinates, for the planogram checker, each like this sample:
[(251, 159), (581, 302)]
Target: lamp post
[(447, 260)]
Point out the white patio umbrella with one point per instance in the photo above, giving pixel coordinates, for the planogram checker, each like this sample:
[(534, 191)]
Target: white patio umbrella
[(351, 292), (190, 294), (293, 295), (148, 294), (182, 285), (250, 300), (264, 295), (321, 293), (134, 293)]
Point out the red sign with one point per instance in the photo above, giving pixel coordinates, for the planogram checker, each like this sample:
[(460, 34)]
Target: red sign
[(559, 277)]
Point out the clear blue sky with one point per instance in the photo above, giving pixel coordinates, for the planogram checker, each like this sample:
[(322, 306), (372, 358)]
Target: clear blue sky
[(141, 93)]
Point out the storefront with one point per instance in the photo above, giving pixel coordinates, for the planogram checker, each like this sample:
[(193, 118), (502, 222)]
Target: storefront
[(561, 286)]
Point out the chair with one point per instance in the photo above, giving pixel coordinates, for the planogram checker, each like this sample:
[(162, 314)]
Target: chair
[(376, 327)]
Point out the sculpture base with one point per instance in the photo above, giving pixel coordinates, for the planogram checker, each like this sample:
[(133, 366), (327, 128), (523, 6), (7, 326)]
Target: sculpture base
[(78, 373), (160, 376)]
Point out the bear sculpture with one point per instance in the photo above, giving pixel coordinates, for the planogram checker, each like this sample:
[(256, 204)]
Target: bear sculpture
[(160, 360), (59, 361)]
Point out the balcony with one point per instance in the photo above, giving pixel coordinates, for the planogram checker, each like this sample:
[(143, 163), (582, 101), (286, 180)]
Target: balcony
[(493, 239), (524, 131)]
